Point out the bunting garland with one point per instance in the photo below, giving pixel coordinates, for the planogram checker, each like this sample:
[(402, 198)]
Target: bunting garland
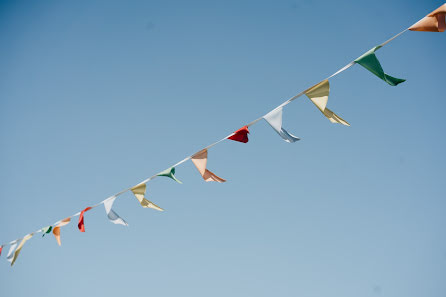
[(318, 94)]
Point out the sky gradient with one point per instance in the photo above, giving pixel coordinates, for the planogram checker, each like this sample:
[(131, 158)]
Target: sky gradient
[(96, 96)]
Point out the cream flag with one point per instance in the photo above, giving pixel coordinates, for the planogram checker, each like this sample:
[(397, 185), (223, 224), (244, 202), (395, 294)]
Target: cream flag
[(19, 248), (11, 250), (139, 192), (318, 94), (274, 118), (200, 160), (56, 229), (113, 216)]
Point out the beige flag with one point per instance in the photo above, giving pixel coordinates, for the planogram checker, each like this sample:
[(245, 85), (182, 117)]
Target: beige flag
[(56, 229), (318, 94), (433, 22), (139, 192), (19, 248), (200, 160)]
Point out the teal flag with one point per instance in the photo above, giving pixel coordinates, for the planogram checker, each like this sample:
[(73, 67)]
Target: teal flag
[(169, 173), (370, 62), (46, 230)]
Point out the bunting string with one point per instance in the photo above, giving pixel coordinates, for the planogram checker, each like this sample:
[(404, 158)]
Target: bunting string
[(318, 94)]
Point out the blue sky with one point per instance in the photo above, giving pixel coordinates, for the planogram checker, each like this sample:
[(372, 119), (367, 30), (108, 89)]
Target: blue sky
[(95, 96)]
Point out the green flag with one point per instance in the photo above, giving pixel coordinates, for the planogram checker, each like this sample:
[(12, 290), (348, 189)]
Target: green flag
[(169, 173), (370, 62), (46, 230)]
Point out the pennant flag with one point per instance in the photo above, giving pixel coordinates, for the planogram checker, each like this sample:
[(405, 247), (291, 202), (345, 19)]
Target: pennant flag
[(11, 250), (1, 248), (139, 192), (241, 135), (370, 62), (318, 94), (19, 248), (274, 118), (433, 22), (46, 230), (56, 229), (81, 225), (200, 160), (169, 173), (113, 216)]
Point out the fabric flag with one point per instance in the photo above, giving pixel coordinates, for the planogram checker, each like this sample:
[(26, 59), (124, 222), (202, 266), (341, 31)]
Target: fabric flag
[(241, 135), (81, 225), (433, 22), (169, 173), (113, 216), (46, 230), (318, 94), (200, 160), (139, 192), (19, 248), (274, 118), (56, 229), (10, 254), (370, 62), (1, 248)]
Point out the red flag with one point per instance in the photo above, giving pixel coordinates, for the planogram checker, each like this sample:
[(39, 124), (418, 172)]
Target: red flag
[(1, 247), (80, 225), (240, 135)]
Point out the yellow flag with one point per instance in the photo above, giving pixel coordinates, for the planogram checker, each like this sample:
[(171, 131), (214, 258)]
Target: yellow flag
[(139, 192), (19, 248), (318, 94)]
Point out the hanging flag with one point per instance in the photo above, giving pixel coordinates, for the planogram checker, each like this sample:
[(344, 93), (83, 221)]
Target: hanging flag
[(81, 225), (10, 254), (1, 248), (46, 230), (139, 192), (56, 229), (169, 173), (318, 94), (274, 118), (241, 135), (19, 248), (433, 22), (370, 62), (200, 160), (113, 216)]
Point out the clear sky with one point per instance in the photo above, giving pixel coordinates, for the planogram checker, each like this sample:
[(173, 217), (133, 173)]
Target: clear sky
[(95, 96)]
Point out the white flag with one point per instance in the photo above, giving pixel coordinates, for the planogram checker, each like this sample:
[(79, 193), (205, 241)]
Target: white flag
[(113, 216), (274, 118), (10, 255)]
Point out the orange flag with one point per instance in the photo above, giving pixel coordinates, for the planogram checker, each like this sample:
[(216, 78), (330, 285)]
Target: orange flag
[(200, 160), (56, 229), (433, 22)]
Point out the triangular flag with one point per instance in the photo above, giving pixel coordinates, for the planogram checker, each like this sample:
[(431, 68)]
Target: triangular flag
[(433, 22), (19, 248), (1, 248), (241, 135), (169, 173), (370, 62), (56, 229), (113, 216), (274, 118), (318, 94), (46, 230), (200, 160), (10, 254), (139, 192), (81, 225)]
